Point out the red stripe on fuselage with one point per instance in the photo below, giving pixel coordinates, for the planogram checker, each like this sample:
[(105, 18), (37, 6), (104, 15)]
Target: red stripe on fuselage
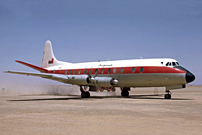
[(126, 70)]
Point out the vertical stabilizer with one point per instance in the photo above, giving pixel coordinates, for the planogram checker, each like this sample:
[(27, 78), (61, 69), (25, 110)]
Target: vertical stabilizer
[(48, 57)]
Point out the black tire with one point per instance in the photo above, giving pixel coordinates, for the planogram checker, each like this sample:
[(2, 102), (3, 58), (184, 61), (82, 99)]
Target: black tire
[(85, 94), (124, 93), (167, 96)]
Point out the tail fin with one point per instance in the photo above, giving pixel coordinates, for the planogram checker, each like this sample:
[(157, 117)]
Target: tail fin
[(49, 58)]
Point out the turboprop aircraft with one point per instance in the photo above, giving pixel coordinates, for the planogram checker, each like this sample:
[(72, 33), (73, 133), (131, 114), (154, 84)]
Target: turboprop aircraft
[(106, 75)]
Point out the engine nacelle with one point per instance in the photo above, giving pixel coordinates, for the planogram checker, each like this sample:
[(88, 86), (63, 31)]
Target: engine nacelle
[(106, 81), (78, 80), (85, 80)]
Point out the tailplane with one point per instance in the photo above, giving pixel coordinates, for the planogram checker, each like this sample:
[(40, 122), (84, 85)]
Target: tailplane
[(49, 58)]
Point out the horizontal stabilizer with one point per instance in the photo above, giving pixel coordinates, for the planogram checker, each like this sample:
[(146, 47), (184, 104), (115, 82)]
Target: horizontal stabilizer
[(43, 70)]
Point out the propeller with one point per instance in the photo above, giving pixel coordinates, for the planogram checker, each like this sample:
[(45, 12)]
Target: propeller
[(91, 79)]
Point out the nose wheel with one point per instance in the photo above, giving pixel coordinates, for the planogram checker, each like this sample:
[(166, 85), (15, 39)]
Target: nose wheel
[(168, 95)]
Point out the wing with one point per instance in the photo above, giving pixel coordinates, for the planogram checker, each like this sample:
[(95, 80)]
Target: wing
[(60, 78)]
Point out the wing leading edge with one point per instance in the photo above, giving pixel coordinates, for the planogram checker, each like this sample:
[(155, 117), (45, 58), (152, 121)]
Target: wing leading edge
[(60, 78)]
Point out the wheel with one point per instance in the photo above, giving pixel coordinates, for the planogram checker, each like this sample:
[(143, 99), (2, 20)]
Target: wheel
[(124, 93), (85, 94), (167, 96)]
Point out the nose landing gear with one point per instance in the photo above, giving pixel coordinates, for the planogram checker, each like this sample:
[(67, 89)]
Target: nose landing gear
[(168, 95)]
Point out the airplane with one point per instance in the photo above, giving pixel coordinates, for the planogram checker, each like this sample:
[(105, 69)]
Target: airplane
[(107, 75)]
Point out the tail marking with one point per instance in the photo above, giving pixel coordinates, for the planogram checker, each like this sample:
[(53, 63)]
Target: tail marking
[(51, 61)]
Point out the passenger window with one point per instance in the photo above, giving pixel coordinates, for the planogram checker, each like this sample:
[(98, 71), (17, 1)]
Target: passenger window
[(109, 70), (79, 71), (85, 71), (121, 70), (91, 70), (74, 71), (70, 71), (133, 70), (141, 69), (102, 71), (65, 72), (114, 70), (96, 71)]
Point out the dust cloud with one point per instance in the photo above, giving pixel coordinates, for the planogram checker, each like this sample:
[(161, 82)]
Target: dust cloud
[(23, 85), (16, 84)]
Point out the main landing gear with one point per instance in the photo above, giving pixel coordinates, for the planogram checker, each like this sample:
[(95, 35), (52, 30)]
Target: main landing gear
[(168, 95), (124, 92), (84, 93)]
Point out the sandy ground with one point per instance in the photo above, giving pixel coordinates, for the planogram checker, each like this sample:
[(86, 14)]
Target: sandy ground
[(142, 113)]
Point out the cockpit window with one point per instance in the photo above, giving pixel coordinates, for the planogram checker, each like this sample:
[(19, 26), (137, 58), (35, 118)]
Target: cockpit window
[(172, 64)]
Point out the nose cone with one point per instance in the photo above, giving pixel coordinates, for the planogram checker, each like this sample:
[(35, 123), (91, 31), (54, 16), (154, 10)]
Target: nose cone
[(189, 77)]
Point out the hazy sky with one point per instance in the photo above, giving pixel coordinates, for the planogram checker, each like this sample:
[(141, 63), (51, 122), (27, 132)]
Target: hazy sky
[(91, 30)]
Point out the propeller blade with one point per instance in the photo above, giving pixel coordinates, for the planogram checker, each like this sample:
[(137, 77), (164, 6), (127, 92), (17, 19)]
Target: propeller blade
[(95, 85), (96, 73), (86, 72)]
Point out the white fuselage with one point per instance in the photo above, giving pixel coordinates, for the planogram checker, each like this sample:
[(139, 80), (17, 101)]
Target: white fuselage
[(129, 73)]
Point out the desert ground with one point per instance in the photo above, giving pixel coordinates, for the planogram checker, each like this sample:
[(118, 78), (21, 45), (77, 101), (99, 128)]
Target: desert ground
[(144, 112)]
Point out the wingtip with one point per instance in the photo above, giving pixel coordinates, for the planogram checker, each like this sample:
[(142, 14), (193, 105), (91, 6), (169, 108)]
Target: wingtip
[(6, 71)]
